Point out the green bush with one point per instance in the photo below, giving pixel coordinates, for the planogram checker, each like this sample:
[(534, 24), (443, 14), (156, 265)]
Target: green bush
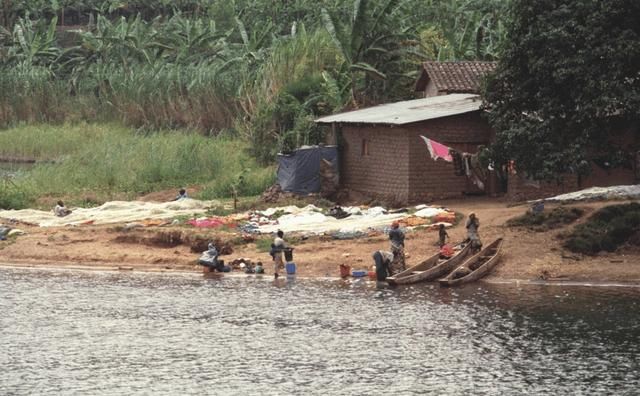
[(14, 197), (607, 229), (545, 221)]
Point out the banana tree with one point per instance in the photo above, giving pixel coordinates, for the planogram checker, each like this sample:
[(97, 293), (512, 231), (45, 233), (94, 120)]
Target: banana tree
[(463, 29), (370, 42), (34, 45), (190, 41)]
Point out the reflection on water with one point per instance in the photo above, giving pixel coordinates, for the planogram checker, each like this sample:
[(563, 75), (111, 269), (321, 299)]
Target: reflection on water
[(103, 333)]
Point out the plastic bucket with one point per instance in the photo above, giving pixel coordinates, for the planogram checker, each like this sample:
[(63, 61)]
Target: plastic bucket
[(358, 273), (291, 268), (288, 254)]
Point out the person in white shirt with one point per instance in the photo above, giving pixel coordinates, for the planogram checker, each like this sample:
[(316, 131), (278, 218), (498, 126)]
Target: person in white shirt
[(182, 194), (60, 210)]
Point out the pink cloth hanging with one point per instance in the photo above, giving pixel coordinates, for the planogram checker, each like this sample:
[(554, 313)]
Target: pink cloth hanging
[(437, 150)]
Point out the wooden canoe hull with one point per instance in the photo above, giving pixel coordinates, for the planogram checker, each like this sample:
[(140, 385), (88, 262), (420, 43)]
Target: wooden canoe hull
[(494, 250), (423, 266), (431, 272)]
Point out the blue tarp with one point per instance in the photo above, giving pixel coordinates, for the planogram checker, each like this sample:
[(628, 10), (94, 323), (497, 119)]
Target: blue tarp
[(299, 171)]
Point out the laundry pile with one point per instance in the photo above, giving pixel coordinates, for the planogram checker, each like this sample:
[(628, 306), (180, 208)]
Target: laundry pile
[(347, 222), (341, 222), (230, 221), (8, 232), (599, 194), (113, 212)]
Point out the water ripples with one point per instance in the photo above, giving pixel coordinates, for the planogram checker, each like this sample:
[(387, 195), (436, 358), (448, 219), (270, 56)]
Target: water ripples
[(68, 332)]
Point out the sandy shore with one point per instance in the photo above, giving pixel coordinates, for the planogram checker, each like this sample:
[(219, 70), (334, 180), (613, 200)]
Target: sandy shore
[(528, 255)]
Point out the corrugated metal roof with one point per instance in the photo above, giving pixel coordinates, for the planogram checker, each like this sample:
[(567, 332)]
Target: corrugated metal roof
[(406, 112)]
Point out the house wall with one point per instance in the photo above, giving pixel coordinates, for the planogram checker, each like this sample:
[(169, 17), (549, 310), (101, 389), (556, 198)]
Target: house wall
[(431, 90), (624, 137), (519, 189), (399, 167), (429, 179), (613, 177), (383, 172)]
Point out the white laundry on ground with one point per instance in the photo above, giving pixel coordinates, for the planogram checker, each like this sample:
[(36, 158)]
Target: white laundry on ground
[(113, 212), (600, 193)]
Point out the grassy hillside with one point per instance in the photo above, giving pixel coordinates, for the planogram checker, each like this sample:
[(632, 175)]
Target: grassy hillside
[(91, 163)]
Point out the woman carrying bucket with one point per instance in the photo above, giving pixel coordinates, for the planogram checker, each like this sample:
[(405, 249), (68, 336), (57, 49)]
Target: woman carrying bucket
[(277, 249)]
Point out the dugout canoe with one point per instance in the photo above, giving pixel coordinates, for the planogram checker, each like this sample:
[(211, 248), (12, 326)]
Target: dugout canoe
[(476, 266), (430, 269)]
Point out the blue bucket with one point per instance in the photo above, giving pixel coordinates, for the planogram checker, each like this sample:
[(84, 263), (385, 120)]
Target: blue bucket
[(358, 273), (291, 268)]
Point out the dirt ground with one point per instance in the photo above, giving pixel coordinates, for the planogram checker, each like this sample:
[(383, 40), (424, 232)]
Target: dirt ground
[(527, 255)]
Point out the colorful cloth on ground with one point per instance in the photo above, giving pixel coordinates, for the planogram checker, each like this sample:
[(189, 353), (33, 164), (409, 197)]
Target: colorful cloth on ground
[(437, 150), (398, 264), (447, 251), (211, 222)]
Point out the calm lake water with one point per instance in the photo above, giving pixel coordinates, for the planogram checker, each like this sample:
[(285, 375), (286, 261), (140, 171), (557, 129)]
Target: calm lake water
[(94, 333)]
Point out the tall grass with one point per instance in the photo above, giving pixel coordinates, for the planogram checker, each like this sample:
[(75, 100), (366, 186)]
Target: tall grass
[(31, 94), (152, 97), (171, 96), (47, 142), (105, 161)]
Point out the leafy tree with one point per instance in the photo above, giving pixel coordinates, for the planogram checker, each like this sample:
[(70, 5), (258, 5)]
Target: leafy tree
[(568, 75)]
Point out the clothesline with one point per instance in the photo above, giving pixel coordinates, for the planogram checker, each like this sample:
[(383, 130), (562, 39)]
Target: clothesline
[(462, 161)]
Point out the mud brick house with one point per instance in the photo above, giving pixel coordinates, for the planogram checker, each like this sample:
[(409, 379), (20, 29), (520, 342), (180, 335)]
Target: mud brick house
[(382, 154)]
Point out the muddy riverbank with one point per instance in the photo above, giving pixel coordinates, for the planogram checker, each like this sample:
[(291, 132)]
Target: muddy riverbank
[(528, 255)]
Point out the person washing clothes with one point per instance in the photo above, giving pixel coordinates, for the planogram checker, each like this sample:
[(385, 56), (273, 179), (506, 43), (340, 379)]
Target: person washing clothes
[(60, 210), (209, 258), (396, 236), (383, 260), (472, 225)]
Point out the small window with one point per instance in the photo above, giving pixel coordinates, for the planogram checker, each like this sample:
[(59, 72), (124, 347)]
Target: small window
[(365, 147)]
